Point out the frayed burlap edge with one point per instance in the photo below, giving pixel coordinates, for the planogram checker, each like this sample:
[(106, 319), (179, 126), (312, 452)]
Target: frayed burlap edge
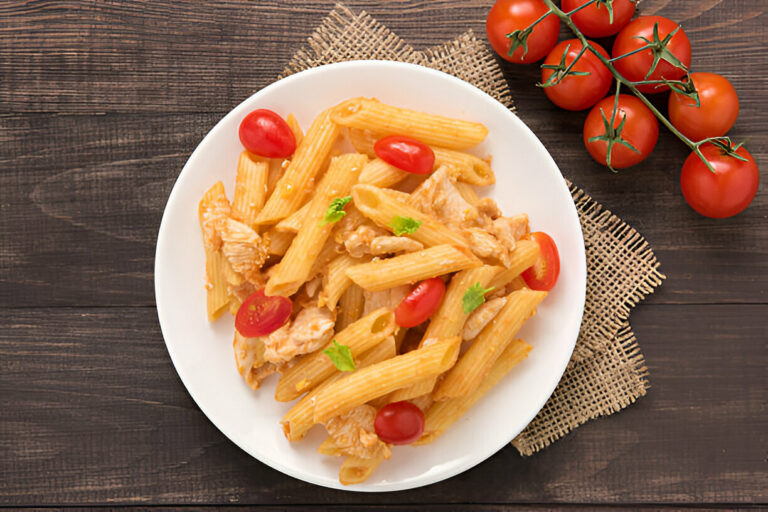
[(607, 372)]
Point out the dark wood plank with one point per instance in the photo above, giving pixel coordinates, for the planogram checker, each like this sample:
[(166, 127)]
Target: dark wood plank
[(90, 191), (93, 412), (463, 507)]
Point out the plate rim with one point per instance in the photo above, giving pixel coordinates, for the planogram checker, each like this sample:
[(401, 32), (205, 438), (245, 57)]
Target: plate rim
[(161, 242)]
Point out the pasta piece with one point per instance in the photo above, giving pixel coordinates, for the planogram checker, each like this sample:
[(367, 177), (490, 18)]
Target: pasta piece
[(355, 470), (328, 447), (381, 378), (335, 280), (467, 191), (381, 207), (524, 256), (448, 320), (278, 241), (472, 367), (296, 265), (314, 368), (304, 166), (380, 174), (297, 422), (369, 114), (412, 267), (517, 283), (351, 306), (250, 189), (277, 168), (362, 141), (217, 297), (292, 223), (212, 210), (444, 414), (295, 127)]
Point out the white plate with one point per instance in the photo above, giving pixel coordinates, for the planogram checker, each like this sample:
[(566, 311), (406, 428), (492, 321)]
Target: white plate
[(527, 181)]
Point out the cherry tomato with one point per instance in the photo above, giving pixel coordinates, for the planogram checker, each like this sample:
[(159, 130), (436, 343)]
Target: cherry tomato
[(420, 303), (722, 193), (595, 21), (544, 273), (640, 129), (399, 423), (506, 16), (266, 134), (260, 315), (577, 92), (635, 67), (405, 153), (718, 110)]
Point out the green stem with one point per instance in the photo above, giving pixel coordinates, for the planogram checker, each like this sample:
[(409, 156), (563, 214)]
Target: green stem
[(630, 85), (638, 50), (569, 14)]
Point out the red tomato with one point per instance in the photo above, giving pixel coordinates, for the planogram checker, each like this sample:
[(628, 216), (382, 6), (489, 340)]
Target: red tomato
[(405, 153), (640, 129), (577, 92), (506, 16), (718, 110), (722, 193), (635, 67), (595, 20), (266, 134), (260, 315), (399, 423), (420, 303), (544, 273)]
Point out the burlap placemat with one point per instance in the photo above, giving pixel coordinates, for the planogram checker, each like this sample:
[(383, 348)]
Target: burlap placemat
[(607, 371)]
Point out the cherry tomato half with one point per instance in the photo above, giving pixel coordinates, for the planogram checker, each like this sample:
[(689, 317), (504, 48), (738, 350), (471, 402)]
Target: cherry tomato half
[(717, 111), (405, 153), (641, 130), (577, 92), (399, 423), (420, 303), (722, 193), (506, 16), (595, 20), (544, 273), (260, 315), (266, 134), (636, 66)]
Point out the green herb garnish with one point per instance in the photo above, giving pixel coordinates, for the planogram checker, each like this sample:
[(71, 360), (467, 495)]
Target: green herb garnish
[(335, 211), (474, 297), (404, 225), (340, 356)]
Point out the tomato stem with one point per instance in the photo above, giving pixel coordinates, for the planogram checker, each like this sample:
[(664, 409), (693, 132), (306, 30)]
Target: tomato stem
[(566, 18)]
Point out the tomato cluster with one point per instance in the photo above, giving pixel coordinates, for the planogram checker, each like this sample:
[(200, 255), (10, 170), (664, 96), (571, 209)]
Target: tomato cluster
[(652, 52)]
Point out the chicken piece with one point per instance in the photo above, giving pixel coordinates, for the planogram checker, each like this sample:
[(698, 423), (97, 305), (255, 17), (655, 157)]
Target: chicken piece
[(393, 244), (390, 298), (312, 286), (487, 206), (439, 196), (485, 245), (358, 242), (354, 435), (249, 357), (243, 248), (310, 330), (213, 216), (481, 317), (508, 230)]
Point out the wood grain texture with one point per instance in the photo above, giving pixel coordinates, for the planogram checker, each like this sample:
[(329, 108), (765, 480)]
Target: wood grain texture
[(94, 413)]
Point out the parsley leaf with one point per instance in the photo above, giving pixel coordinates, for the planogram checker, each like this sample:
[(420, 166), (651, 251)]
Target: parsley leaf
[(335, 211), (474, 297), (340, 356), (404, 225)]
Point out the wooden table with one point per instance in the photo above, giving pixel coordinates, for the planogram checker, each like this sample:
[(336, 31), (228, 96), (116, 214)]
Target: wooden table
[(101, 102)]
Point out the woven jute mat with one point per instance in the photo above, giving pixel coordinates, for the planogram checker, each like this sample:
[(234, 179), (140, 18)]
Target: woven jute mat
[(607, 371)]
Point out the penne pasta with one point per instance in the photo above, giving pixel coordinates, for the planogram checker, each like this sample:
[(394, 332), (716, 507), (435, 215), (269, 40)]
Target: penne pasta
[(473, 366), (382, 207), (442, 415), (296, 265), (412, 267), (351, 306), (305, 164), (278, 241), (250, 189), (297, 422), (314, 368), (295, 127), (369, 114), (217, 297), (523, 257), (355, 470), (292, 223), (380, 174), (381, 378), (335, 280)]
